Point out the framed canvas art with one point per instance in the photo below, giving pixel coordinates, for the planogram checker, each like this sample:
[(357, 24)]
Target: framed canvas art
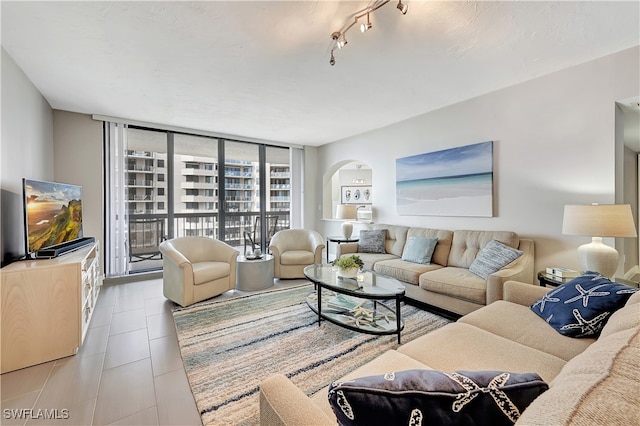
[(451, 182), (356, 194)]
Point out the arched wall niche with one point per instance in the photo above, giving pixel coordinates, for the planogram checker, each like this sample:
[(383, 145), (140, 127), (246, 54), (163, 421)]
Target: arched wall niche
[(343, 173)]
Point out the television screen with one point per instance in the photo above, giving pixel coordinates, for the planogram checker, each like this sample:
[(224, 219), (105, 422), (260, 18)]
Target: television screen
[(53, 213)]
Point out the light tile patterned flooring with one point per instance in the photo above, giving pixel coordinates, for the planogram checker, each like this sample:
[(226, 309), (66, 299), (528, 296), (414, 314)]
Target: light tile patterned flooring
[(127, 372)]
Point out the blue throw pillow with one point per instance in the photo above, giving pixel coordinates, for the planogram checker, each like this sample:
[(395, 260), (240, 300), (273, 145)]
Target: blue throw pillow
[(419, 250), (429, 397), (581, 307), (493, 257)]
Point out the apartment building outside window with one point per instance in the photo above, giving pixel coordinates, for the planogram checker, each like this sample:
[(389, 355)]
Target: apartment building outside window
[(181, 185)]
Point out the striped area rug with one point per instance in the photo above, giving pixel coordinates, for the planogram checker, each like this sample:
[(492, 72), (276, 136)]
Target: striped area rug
[(229, 346)]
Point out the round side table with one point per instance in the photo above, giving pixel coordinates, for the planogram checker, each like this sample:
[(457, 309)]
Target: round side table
[(254, 274)]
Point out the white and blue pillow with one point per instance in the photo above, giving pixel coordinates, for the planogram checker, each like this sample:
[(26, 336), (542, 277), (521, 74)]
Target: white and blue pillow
[(493, 257), (582, 306)]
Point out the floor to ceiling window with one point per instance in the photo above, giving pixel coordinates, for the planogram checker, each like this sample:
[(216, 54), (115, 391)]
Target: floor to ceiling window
[(161, 184)]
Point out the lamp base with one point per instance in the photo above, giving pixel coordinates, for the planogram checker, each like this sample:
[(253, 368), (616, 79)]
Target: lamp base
[(347, 229), (598, 257)]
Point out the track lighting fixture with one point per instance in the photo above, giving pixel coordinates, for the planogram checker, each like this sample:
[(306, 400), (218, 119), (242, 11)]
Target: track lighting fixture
[(365, 27), (339, 37), (402, 7)]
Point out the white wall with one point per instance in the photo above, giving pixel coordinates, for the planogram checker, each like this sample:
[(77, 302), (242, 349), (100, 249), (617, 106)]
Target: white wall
[(554, 145), (26, 151)]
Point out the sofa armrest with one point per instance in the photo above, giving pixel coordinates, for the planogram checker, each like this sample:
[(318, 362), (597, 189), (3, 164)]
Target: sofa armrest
[(520, 269), (346, 248), (523, 293), (283, 403)]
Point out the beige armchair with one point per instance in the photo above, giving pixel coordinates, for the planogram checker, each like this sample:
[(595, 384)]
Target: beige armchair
[(197, 268), (293, 249)]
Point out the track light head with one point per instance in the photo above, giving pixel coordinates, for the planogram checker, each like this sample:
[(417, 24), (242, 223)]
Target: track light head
[(402, 7), (365, 27)]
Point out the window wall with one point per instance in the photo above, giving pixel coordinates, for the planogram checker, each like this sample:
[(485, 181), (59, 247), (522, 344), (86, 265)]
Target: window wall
[(163, 184)]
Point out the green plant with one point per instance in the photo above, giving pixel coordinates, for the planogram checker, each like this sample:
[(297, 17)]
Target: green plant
[(348, 262)]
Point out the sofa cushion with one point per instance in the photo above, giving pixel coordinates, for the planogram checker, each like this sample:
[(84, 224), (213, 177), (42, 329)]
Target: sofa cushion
[(518, 323), (407, 272), (372, 241), (597, 387), (624, 318), (582, 306), (493, 257), (435, 397), (372, 259), (445, 237), (466, 245), (460, 346), (419, 250), (455, 282)]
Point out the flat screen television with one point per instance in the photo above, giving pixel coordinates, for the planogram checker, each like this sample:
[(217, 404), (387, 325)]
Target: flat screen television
[(53, 218)]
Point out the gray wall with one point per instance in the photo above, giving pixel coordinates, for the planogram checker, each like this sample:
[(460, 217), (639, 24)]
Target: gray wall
[(26, 151), (77, 139), (554, 145)]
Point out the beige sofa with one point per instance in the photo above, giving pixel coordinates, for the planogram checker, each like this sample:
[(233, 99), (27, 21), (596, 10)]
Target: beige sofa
[(447, 282), (591, 382)]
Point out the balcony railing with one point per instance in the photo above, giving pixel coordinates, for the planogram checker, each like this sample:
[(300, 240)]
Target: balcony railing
[(205, 224)]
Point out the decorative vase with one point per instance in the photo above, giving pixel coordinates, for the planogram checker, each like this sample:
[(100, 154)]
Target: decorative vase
[(348, 273)]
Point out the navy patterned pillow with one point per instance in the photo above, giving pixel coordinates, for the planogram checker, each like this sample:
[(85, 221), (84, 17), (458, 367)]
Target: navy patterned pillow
[(429, 397), (581, 307), (372, 241)]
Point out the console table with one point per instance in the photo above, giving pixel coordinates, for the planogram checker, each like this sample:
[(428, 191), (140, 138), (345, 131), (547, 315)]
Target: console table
[(47, 305)]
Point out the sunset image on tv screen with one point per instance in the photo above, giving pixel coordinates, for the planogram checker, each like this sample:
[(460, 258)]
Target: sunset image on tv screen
[(54, 213)]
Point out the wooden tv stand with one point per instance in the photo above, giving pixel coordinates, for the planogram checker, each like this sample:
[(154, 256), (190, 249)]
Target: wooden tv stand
[(47, 306)]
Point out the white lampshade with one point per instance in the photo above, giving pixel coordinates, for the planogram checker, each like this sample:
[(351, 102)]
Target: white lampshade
[(347, 213), (598, 221)]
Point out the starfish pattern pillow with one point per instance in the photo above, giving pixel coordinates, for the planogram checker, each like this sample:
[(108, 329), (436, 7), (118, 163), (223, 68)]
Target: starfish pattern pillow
[(581, 307), (430, 397)]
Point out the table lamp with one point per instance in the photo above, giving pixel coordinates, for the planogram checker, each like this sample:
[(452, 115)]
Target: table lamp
[(598, 221), (347, 213)]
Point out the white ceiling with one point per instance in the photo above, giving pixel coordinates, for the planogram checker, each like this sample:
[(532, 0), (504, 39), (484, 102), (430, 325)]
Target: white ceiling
[(261, 69)]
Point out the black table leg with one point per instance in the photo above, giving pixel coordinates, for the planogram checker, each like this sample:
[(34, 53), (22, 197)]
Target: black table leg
[(319, 304), (398, 320)]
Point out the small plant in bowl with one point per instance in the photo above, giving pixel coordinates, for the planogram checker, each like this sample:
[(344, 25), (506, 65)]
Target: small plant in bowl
[(348, 266)]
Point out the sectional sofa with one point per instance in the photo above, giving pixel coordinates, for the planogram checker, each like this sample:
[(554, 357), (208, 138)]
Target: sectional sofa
[(446, 281), (591, 381)]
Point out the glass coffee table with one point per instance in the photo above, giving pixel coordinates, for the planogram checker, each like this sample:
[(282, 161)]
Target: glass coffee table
[(356, 303)]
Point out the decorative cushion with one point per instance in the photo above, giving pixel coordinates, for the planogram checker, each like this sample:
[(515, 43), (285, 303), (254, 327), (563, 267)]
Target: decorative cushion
[(429, 397), (581, 307), (372, 241), (493, 257), (419, 250)]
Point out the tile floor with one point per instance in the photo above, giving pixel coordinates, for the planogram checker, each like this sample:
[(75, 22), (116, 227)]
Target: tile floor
[(127, 372)]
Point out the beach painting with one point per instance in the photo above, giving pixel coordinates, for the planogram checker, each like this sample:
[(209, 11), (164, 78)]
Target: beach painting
[(451, 182)]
